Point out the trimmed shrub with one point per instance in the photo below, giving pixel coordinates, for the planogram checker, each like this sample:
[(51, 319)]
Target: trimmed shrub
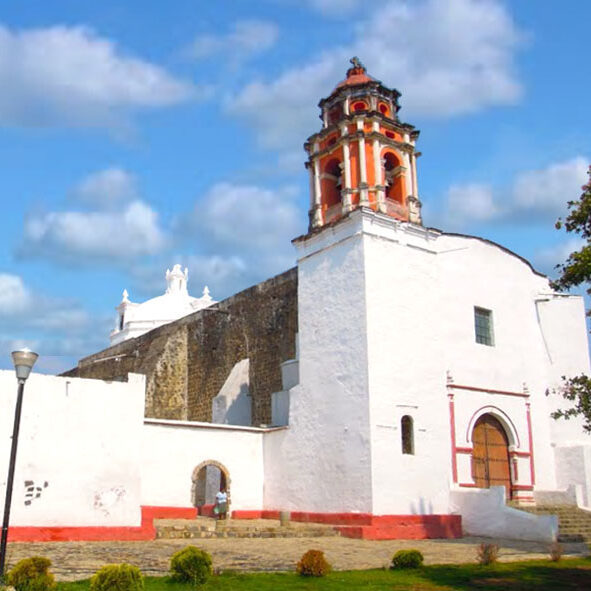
[(487, 554), (407, 559), (313, 564), (31, 574), (117, 577), (190, 565)]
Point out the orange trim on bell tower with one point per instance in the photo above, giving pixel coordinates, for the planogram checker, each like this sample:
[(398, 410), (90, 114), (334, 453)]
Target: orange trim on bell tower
[(363, 156)]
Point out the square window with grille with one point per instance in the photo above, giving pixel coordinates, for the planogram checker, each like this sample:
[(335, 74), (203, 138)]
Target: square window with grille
[(483, 326)]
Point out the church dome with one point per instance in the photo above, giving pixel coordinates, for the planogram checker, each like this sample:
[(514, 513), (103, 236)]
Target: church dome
[(135, 319)]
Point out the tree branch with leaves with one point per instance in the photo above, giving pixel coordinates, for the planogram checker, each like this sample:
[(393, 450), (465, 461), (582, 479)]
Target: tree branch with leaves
[(572, 273)]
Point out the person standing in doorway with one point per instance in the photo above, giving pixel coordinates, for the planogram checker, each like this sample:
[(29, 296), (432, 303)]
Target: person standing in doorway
[(221, 503)]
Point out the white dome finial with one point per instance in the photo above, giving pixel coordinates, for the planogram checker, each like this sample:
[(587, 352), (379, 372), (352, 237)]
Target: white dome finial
[(177, 280)]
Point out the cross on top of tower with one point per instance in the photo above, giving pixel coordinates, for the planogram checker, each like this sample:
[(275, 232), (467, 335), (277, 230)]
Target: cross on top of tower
[(357, 63), (357, 74)]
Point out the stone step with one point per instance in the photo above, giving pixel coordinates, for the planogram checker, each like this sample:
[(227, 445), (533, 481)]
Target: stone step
[(204, 527), (574, 524)]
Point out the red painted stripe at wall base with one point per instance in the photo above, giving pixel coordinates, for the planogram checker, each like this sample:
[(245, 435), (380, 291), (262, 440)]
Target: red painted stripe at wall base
[(411, 527), (354, 525), (145, 531), (374, 527)]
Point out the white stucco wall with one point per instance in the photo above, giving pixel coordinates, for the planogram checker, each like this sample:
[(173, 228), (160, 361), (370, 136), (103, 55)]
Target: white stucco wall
[(323, 462), (78, 451), (484, 513), (386, 314), (422, 288), (171, 450), (405, 369)]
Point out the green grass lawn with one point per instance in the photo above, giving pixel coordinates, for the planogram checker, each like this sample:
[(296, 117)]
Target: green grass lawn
[(540, 575)]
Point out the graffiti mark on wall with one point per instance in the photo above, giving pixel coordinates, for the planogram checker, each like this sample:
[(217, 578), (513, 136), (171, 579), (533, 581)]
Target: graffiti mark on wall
[(33, 491), (104, 500)]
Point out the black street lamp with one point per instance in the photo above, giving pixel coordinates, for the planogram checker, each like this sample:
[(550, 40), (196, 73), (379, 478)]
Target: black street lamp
[(23, 361)]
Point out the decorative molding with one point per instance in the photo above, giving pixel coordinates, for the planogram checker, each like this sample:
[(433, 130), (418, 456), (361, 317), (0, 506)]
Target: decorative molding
[(489, 390), (464, 450)]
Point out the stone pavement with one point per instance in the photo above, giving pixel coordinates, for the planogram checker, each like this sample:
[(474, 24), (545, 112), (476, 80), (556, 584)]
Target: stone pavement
[(79, 560)]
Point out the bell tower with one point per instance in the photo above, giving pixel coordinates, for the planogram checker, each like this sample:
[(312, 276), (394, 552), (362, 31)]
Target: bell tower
[(363, 156)]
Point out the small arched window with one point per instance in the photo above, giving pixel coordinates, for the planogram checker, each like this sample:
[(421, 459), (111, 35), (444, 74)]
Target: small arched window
[(384, 110), (360, 106), (408, 439), (121, 321)]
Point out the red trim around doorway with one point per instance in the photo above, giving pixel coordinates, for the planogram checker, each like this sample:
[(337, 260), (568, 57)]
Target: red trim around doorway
[(452, 426), (489, 390), (531, 443)]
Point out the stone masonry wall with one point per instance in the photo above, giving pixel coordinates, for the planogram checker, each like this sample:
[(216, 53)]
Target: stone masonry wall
[(187, 361)]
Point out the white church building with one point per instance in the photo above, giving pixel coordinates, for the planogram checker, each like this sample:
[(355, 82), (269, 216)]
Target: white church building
[(416, 407)]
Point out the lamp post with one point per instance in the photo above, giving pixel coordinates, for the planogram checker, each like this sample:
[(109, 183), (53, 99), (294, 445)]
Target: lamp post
[(23, 361)]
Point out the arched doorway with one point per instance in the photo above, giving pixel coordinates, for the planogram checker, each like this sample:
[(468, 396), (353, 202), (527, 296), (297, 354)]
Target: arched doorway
[(208, 478), (490, 454)]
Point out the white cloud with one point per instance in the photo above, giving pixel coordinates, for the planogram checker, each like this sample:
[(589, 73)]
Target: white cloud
[(533, 195), (59, 329), (71, 76), (547, 191), (246, 39), (78, 238), (448, 57), (224, 275), (106, 188), (247, 216), (244, 236), (14, 296), (22, 308), (471, 202)]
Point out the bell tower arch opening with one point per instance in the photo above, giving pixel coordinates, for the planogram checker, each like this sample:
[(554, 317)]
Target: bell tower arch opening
[(332, 183), (393, 178)]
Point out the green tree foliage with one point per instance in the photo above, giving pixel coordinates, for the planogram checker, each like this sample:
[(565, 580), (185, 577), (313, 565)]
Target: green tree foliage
[(574, 272)]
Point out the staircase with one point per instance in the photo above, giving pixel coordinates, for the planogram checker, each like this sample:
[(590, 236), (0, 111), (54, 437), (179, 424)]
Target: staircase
[(574, 524), (205, 527)]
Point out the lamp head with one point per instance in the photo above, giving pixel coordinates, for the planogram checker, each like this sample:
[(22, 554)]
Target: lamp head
[(23, 361)]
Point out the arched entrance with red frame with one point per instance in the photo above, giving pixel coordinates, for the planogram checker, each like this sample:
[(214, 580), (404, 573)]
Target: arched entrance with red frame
[(490, 455)]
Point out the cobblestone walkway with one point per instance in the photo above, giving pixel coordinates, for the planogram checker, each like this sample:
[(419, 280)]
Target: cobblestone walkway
[(79, 560)]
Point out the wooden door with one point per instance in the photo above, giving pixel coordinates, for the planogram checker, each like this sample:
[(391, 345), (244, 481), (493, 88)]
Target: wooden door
[(490, 456)]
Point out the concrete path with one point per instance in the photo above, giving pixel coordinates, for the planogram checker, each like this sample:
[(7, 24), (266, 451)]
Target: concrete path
[(79, 560)]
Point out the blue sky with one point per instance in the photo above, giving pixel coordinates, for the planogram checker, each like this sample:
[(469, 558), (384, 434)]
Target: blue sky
[(136, 135)]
